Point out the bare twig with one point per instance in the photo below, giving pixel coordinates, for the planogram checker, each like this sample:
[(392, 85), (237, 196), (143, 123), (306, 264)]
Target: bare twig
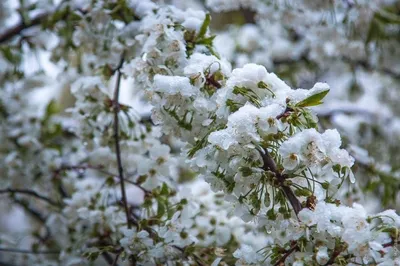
[(116, 259), (31, 193), (196, 258), (285, 113), (391, 243), (347, 110), (335, 254), (109, 259), (17, 29), (147, 192), (2, 263), (99, 168), (36, 214), (23, 25), (367, 65), (281, 261), (26, 251), (116, 108)]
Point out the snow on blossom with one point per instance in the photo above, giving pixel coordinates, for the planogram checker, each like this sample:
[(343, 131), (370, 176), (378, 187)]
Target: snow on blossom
[(309, 147), (246, 254), (174, 85)]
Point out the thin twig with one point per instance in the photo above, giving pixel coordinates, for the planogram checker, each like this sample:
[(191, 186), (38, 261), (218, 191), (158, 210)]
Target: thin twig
[(31, 193), (84, 167), (36, 214), (287, 254), (109, 259), (26, 251), (2, 263), (23, 25), (367, 65), (392, 243), (347, 110), (117, 146), (147, 192), (335, 254), (17, 29), (270, 165), (196, 258), (285, 113), (116, 259)]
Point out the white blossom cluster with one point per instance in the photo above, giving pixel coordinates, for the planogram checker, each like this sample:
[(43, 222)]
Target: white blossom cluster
[(250, 115), (348, 44), (232, 168)]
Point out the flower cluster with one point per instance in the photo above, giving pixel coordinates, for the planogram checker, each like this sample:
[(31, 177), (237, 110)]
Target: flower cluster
[(258, 143), (348, 44)]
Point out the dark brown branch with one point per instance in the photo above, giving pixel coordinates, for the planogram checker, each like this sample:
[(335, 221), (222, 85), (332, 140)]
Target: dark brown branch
[(84, 167), (17, 29), (335, 254), (270, 165), (36, 214), (116, 108), (339, 248), (2, 263), (287, 254), (364, 63), (23, 25), (392, 243), (347, 111), (196, 258), (26, 251), (116, 259), (109, 259), (285, 113), (31, 193), (147, 192)]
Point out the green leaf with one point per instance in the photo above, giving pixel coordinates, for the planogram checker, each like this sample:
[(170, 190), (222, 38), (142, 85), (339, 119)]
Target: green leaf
[(164, 190), (387, 17), (10, 55), (302, 192), (91, 256), (309, 119), (375, 31), (161, 208), (52, 108), (204, 26), (313, 100), (267, 199), (207, 41)]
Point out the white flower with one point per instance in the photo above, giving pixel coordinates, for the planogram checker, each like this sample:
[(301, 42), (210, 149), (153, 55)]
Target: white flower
[(319, 151), (174, 85), (389, 217), (249, 76), (357, 231), (222, 138), (322, 255), (199, 64), (267, 122), (216, 262), (159, 151), (242, 123), (246, 254), (135, 240)]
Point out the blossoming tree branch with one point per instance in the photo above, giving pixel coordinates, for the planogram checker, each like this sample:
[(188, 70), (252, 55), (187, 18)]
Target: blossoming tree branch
[(161, 148)]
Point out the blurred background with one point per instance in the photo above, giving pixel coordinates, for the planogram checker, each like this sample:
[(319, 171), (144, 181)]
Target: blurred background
[(352, 45)]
